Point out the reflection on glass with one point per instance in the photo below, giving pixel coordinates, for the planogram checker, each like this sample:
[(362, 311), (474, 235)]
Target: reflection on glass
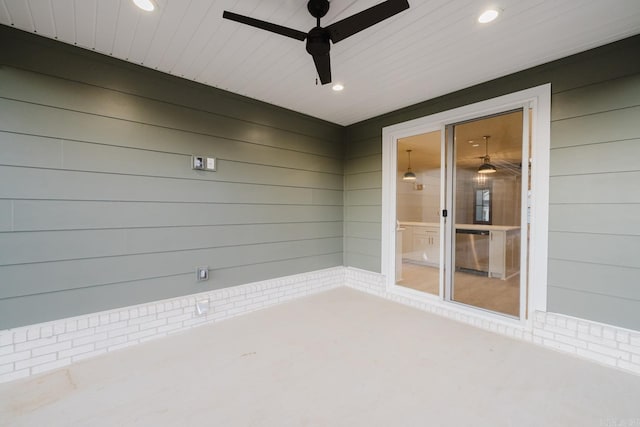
[(482, 206)]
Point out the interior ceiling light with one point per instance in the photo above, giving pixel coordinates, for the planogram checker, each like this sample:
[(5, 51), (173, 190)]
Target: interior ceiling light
[(488, 16), (337, 87), (409, 175), (486, 166), (148, 5)]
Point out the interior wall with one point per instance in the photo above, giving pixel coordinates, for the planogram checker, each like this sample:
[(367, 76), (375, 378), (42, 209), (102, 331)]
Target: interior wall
[(505, 203), (99, 207), (594, 207), (419, 204)]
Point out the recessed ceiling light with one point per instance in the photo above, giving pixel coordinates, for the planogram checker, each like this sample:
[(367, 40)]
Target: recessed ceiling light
[(337, 87), (488, 16), (148, 5)]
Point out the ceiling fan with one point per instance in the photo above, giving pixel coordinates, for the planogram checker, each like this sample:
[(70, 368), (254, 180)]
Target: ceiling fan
[(318, 38)]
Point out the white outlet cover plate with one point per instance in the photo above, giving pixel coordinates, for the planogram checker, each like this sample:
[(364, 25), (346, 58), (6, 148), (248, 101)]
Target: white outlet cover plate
[(202, 307)]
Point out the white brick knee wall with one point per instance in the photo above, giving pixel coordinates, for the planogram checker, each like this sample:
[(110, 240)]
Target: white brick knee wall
[(608, 345), (34, 349)]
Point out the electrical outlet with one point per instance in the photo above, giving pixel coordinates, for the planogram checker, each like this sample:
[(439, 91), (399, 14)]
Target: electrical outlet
[(202, 273), (203, 163), (202, 307), (198, 162)]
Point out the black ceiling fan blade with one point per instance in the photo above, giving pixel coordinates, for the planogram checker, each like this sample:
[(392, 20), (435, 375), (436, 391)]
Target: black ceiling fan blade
[(355, 23), (263, 25), (323, 66)]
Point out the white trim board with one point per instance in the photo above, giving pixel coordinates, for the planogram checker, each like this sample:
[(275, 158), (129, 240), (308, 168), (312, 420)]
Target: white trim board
[(539, 99)]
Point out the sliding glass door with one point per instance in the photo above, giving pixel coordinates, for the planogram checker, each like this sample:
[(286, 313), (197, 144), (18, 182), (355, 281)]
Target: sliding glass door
[(465, 197), (459, 212), (486, 173)]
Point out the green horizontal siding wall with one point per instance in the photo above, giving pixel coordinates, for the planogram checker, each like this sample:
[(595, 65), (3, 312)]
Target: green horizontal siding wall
[(594, 218), (594, 240), (363, 204), (99, 207)]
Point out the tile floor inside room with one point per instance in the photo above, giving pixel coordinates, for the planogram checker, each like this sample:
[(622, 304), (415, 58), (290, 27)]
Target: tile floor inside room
[(338, 358), (502, 296)]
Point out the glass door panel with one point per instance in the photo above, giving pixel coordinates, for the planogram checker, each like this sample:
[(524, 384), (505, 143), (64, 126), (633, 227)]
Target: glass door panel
[(418, 212), (487, 189)]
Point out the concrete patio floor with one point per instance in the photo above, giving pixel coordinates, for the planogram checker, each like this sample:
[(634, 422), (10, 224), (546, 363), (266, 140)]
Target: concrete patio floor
[(339, 358)]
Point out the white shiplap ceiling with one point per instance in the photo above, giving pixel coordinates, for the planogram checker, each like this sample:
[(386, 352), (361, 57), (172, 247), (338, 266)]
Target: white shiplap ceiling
[(433, 48)]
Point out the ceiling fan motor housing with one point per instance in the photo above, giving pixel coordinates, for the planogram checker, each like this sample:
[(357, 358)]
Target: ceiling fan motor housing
[(318, 8), (318, 41)]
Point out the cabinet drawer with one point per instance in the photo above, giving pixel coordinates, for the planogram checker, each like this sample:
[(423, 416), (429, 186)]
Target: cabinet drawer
[(424, 231)]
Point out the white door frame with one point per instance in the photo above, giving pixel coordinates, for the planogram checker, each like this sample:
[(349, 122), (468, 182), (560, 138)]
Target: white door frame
[(539, 100)]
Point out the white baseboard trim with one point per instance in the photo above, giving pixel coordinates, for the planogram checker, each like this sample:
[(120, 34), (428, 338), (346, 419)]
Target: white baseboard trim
[(605, 344), (34, 349)]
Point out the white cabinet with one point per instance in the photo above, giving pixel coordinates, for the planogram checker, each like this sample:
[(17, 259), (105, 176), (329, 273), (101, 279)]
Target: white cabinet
[(422, 245), (504, 253), (512, 253), (407, 239), (496, 254), (399, 246)]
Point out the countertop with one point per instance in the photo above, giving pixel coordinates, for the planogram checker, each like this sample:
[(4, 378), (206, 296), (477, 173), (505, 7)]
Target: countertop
[(464, 226)]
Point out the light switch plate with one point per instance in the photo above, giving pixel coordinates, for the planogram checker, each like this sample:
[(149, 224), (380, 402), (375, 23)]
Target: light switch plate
[(211, 164)]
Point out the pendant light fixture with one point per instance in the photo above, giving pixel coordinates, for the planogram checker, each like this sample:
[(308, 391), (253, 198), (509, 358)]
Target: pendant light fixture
[(409, 175), (486, 166)]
